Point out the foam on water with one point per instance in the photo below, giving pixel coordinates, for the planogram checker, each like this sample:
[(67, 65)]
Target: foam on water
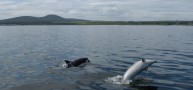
[(61, 65), (64, 65), (117, 80)]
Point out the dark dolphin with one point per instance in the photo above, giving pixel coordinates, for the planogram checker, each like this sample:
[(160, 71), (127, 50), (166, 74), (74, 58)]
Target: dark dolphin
[(76, 62)]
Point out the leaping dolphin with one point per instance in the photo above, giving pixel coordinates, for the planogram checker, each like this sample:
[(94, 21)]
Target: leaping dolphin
[(76, 63), (137, 68)]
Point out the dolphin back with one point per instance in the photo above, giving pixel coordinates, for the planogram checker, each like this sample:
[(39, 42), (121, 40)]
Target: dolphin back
[(77, 62)]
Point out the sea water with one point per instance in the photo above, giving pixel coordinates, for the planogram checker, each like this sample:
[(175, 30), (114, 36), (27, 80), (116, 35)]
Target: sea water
[(30, 57)]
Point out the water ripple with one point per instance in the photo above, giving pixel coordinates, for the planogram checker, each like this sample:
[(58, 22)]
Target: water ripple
[(29, 56)]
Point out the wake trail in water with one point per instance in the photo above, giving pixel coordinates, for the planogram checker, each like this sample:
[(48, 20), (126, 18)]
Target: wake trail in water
[(60, 65), (117, 80)]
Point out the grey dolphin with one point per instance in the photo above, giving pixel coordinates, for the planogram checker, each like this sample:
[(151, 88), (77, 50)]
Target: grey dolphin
[(137, 68)]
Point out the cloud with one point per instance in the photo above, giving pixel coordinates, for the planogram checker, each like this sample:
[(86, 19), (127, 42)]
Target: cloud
[(126, 10)]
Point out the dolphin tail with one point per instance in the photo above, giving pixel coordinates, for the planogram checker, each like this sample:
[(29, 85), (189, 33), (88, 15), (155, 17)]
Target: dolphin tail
[(68, 63)]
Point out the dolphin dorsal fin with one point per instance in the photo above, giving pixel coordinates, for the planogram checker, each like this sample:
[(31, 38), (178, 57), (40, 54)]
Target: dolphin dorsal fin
[(143, 60)]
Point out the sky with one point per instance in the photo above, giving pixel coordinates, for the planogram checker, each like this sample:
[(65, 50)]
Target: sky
[(110, 10)]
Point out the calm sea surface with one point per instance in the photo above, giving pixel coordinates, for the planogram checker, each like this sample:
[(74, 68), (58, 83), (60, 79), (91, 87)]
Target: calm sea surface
[(30, 57)]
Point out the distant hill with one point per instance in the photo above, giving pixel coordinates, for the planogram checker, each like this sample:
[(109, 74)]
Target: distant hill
[(57, 20), (30, 20)]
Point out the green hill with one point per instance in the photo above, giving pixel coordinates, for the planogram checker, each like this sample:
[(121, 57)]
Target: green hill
[(30, 20), (57, 20)]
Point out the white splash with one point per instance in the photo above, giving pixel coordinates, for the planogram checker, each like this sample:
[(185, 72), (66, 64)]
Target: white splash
[(117, 80), (64, 65), (61, 65)]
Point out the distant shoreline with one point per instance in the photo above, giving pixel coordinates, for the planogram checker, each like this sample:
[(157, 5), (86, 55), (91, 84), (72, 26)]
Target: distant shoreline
[(187, 23), (57, 20)]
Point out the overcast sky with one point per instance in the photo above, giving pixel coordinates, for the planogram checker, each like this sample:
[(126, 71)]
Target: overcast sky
[(127, 10)]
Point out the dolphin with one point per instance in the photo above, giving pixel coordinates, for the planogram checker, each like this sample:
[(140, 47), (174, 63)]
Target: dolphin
[(137, 68), (76, 62)]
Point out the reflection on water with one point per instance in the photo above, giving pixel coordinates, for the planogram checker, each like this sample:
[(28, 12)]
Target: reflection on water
[(30, 55)]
